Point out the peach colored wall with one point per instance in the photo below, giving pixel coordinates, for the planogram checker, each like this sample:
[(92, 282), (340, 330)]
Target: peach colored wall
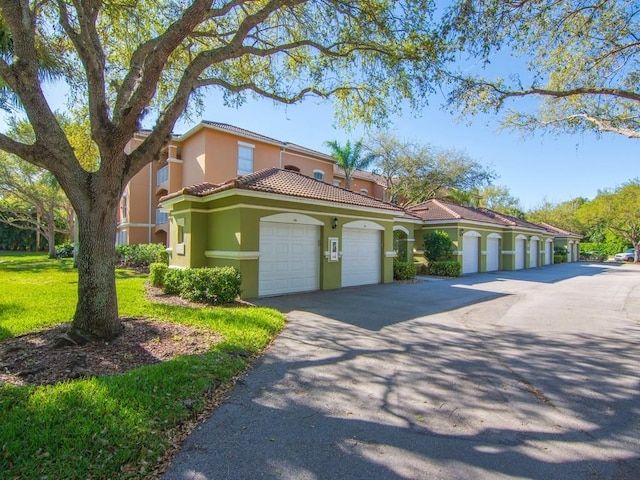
[(308, 164), (193, 155)]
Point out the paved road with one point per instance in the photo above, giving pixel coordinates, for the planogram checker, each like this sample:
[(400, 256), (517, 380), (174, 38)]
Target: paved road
[(530, 374)]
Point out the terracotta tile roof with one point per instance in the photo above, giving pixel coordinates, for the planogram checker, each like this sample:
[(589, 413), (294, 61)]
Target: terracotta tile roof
[(559, 231), (290, 183), (361, 174), (240, 131), (441, 210)]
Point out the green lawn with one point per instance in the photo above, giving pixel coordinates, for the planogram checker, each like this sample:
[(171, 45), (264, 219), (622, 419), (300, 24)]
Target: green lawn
[(112, 426)]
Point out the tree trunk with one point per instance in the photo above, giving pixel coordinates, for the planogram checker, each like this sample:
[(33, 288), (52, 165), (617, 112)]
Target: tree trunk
[(51, 233), (97, 308)]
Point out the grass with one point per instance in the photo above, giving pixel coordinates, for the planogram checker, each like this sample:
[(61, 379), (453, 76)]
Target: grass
[(112, 426)]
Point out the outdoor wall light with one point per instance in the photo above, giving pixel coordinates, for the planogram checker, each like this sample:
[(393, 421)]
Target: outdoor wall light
[(334, 223)]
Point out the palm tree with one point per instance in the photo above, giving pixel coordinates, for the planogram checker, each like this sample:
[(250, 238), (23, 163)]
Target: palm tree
[(349, 158)]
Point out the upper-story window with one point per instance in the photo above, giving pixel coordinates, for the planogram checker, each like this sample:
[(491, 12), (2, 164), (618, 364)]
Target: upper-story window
[(124, 208), (318, 175), (337, 183), (293, 168), (245, 158), (162, 175), (364, 191)]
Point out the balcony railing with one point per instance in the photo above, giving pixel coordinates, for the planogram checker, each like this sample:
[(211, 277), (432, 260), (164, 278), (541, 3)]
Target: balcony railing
[(161, 217), (163, 175)]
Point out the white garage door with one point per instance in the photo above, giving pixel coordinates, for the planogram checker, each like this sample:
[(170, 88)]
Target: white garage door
[(533, 254), (289, 258), (470, 253), (548, 251), (493, 254), (361, 256), (520, 253)]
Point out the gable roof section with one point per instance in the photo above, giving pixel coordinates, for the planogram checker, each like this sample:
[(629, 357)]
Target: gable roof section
[(289, 183), (434, 210), (559, 231), (440, 210), (247, 134)]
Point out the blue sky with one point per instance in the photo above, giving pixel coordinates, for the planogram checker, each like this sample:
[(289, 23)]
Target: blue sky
[(535, 168)]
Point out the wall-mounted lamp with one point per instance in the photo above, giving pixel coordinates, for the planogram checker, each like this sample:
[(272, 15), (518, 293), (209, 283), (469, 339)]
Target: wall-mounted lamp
[(334, 223), (461, 231)]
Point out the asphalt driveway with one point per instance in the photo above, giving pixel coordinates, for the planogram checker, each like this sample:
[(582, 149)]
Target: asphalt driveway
[(530, 374)]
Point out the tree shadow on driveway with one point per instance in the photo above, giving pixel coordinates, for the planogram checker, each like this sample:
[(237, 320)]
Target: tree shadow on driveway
[(423, 401)]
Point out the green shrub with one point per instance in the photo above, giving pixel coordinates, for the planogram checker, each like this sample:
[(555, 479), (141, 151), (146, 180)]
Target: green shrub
[(561, 258), (173, 281), (211, 285), (65, 250), (404, 270), (438, 246), (157, 271), (445, 268), (143, 254)]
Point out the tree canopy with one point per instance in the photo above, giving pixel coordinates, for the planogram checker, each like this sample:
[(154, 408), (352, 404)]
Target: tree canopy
[(582, 58), (617, 210), (416, 172), (129, 61)]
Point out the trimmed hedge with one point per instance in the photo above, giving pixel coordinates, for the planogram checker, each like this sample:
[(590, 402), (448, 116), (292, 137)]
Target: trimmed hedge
[(157, 272), (143, 254), (445, 269), (207, 285), (404, 270)]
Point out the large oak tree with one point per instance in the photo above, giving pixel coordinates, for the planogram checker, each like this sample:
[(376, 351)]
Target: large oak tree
[(582, 62), (127, 59)]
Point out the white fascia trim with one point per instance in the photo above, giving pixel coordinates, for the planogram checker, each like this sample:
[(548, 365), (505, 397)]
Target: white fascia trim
[(409, 220), (291, 210), (464, 223), (174, 160), (122, 225), (231, 255), (391, 254)]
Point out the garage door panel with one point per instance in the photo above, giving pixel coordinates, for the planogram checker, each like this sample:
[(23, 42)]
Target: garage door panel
[(470, 254), (493, 254), (520, 254), (361, 257), (289, 258)]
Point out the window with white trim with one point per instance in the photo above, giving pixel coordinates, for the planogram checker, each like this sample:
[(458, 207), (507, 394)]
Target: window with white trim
[(318, 175), (364, 191), (337, 183), (245, 158)]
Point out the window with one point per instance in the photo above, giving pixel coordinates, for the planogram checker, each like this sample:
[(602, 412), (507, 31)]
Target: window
[(293, 168), (318, 175), (122, 237), (123, 208), (364, 191), (180, 233), (162, 175), (337, 183), (161, 217), (245, 158)]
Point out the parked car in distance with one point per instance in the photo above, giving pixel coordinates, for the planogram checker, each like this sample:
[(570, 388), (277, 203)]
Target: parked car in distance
[(627, 256)]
